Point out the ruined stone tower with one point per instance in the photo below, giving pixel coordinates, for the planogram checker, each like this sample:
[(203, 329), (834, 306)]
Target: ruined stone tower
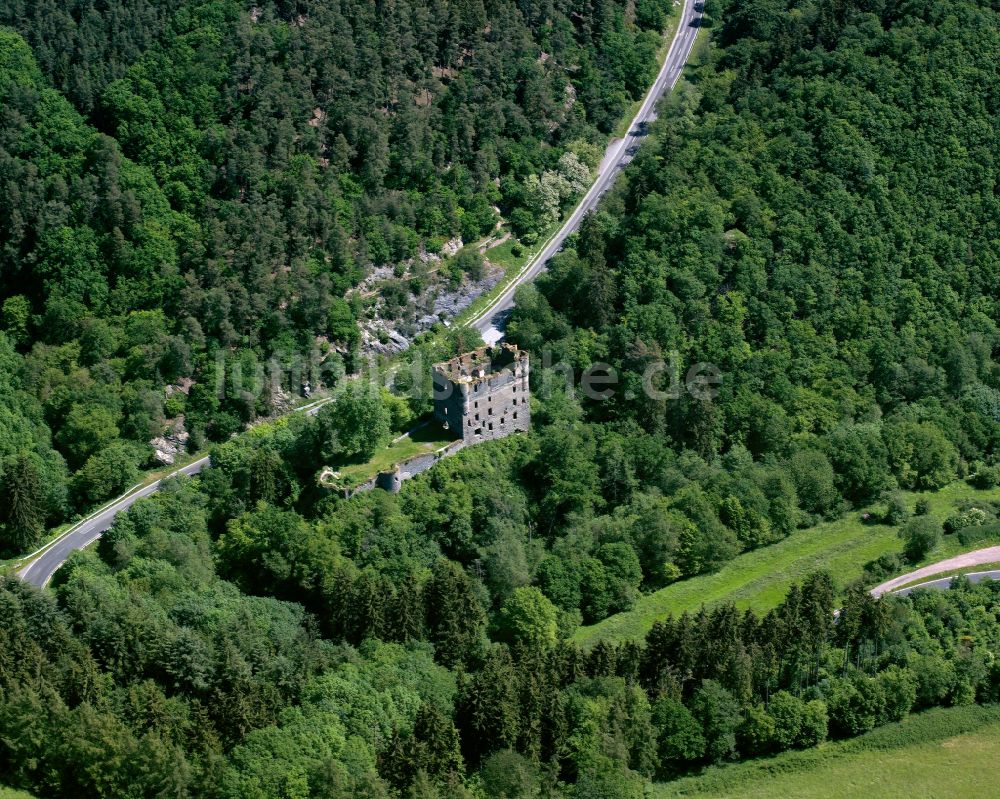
[(483, 394)]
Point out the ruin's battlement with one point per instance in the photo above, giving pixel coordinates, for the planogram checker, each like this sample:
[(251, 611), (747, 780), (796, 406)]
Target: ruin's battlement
[(483, 394)]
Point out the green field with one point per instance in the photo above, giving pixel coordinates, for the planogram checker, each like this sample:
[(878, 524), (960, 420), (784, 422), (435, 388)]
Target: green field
[(428, 438), (760, 579), (942, 753)]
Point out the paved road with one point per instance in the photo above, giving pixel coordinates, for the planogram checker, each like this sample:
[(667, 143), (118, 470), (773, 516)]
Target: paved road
[(969, 559), (39, 571), (491, 322), (84, 533), (944, 583)]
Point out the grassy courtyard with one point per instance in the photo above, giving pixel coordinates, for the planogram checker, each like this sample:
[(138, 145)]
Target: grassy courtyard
[(429, 437), (759, 579)]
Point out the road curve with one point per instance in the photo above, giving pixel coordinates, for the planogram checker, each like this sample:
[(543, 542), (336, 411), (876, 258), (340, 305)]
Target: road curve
[(54, 554), (491, 322), (84, 533), (944, 583), (976, 558)]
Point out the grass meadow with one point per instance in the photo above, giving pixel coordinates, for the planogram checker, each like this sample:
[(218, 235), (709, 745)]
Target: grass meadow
[(943, 753), (759, 579)]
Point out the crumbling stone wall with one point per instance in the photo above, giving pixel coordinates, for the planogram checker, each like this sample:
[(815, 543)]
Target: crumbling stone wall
[(483, 395), (393, 480)]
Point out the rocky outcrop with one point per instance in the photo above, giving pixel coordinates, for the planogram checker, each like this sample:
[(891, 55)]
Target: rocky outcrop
[(387, 332), (172, 443)]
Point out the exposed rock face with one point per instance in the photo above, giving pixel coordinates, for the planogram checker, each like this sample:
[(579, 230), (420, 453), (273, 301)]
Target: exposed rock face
[(386, 332), (280, 402), (172, 443), (182, 386)]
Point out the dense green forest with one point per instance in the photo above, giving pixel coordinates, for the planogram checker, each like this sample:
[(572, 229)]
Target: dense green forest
[(147, 674), (195, 185), (815, 214)]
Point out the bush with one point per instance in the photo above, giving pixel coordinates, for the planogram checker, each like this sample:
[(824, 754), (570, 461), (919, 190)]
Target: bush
[(528, 618), (882, 568), (815, 723), (895, 512), (973, 517), (107, 473), (788, 712), (970, 535), (470, 262), (900, 689), (680, 740), (855, 705), (757, 734), (923, 507), (984, 477), (921, 454), (920, 536), (815, 482)]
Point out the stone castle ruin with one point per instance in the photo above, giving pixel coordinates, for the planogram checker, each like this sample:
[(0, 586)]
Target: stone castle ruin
[(483, 394), (478, 396)]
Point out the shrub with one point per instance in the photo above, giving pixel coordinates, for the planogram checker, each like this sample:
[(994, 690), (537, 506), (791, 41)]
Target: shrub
[(882, 568), (679, 736), (984, 477), (973, 517), (895, 512), (528, 617), (855, 705), (900, 689), (815, 723), (788, 712), (935, 679), (970, 535), (920, 536), (756, 735)]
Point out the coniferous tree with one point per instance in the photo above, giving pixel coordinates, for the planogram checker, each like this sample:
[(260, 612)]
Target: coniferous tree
[(23, 510), (455, 617), (488, 709)]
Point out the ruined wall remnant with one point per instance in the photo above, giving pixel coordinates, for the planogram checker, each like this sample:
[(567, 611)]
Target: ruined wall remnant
[(483, 394), (479, 396)]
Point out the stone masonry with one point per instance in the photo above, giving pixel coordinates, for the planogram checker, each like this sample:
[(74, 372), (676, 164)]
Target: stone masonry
[(483, 394), (478, 396)]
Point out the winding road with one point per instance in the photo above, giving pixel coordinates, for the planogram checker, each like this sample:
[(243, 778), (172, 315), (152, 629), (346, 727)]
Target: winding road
[(491, 322), (41, 565), (53, 555), (47, 560)]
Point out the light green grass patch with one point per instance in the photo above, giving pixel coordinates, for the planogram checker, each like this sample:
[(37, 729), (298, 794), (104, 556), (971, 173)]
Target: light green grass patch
[(942, 753), (503, 256), (429, 438), (760, 579), (11, 793)]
